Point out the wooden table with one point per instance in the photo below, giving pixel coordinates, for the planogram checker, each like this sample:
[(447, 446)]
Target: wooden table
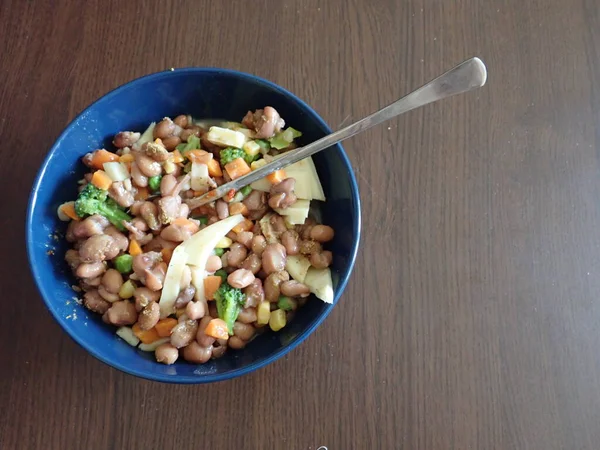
[(472, 320)]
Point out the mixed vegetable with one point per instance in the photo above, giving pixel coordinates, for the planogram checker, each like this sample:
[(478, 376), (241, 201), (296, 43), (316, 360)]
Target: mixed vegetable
[(181, 279)]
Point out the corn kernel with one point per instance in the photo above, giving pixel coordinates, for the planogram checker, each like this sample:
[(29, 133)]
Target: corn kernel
[(277, 320), (263, 313), (224, 243), (169, 166), (251, 148), (255, 165), (127, 289)]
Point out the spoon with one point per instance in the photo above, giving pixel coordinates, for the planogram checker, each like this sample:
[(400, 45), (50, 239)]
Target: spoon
[(469, 75)]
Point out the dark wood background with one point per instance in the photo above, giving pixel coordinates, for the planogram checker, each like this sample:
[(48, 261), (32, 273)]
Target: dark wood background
[(472, 320)]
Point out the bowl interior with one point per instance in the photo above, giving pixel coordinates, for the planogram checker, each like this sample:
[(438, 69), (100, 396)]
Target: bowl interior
[(204, 93)]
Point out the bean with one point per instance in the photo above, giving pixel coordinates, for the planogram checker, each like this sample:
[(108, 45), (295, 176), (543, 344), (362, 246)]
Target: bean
[(145, 261), (176, 233), (155, 277), (201, 337), (111, 298), (272, 285), (188, 132), (321, 260), (247, 315), (121, 195), (184, 211), (156, 151), (236, 255), (196, 310), (252, 263), (212, 310), (259, 243), (144, 296), (183, 333), (195, 354), (185, 296), (70, 235), (94, 302), (90, 226), (268, 123), (90, 270), (121, 240), (166, 354), (321, 233), (112, 281), (254, 293), (309, 247), (147, 165), (245, 238), (222, 209), (98, 248), (256, 202), (236, 343), (240, 279), (91, 282), (139, 179), (277, 223), (167, 184), (289, 239), (168, 208), (149, 213), (126, 139), (122, 313), (181, 120), (72, 258), (163, 129), (171, 142), (282, 194), (293, 288), (213, 263), (273, 258), (218, 351), (243, 331), (149, 316), (186, 277)]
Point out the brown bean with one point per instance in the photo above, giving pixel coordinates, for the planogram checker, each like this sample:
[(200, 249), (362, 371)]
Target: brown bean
[(171, 142), (126, 139), (277, 223), (240, 279), (168, 208), (201, 337), (139, 179), (321, 260), (254, 293), (167, 185), (309, 247), (247, 315), (90, 270), (166, 354), (176, 233), (285, 186), (196, 310), (184, 211), (155, 151), (72, 258), (163, 129), (213, 263), (145, 261), (256, 202), (236, 343), (149, 316), (181, 120), (273, 258), (90, 226), (195, 354), (218, 351), (122, 313), (259, 243), (124, 197), (94, 302), (252, 263), (112, 281), (236, 255), (188, 132), (245, 238), (90, 283), (185, 296), (154, 278), (98, 248), (243, 331), (282, 194), (144, 296), (148, 166), (321, 233), (149, 213), (222, 209), (289, 239), (120, 239), (293, 288), (183, 333), (272, 285)]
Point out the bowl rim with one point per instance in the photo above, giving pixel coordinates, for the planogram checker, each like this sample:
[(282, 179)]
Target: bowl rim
[(209, 378)]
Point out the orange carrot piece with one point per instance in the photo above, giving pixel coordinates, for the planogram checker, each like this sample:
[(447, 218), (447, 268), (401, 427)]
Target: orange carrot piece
[(134, 248), (217, 328), (68, 210), (237, 168), (214, 168), (199, 156), (146, 336), (101, 180), (186, 223), (166, 253), (211, 285), (245, 225), (238, 208), (142, 193), (164, 326), (276, 177), (99, 157), (126, 158), (177, 158)]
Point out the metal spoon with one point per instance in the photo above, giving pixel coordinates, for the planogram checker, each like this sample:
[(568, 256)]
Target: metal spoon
[(465, 77)]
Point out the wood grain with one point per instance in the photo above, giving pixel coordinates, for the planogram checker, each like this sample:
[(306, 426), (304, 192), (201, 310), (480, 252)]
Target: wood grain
[(472, 320)]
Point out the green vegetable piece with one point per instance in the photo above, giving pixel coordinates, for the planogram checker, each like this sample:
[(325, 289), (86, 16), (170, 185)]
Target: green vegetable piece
[(124, 263), (221, 273), (246, 190), (264, 145), (188, 167), (193, 143), (230, 301), (219, 252), (230, 153), (154, 183), (92, 200), (202, 219), (295, 133), (181, 146), (285, 303), (284, 138)]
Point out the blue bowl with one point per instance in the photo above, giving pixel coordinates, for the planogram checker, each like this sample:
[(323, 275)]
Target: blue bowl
[(204, 93)]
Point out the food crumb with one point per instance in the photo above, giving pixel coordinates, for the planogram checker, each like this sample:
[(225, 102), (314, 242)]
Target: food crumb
[(50, 252), (172, 69), (76, 288)]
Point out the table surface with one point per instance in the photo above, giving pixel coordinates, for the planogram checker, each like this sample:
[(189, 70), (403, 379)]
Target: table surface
[(472, 319)]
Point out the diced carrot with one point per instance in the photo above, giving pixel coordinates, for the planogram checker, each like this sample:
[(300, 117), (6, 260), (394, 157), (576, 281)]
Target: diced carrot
[(199, 193), (68, 210), (164, 326), (134, 248), (142, 193), (211, 285), (199, 156), (146, 336), (237, 168), (238, 208), (101, 180), (186, 223), (166, 253), (245, 225), (214, 168), (177, 158), (126, 158), (217, 328), (99, 157), (276, 177)]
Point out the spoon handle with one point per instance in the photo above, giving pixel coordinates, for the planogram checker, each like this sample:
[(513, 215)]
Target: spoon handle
[(465, 77)]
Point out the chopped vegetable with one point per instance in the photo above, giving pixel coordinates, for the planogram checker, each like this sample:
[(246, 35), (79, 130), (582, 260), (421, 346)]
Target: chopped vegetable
[(276, 177), (68, 211), (230, 302), (202, 219), (177, 157), (147, 136), (297, 266), (117, 171), (127, 289), (154, 345), (146, 336), (229, 154), (263, 313), (221, 273), (101, 180), (252, 149), (123, 263), (217, 328), (286, 303), (320, 283), (99, 157), (142, 193), (264, 146), (200, 180), (238, 208), (199, 156), (214, 168), (166, 253), (92, 200), (193, 143), (297, 213), (277, 320), (164, 326), (126, 158), (258, 164), (211, 285), (224, 242), (225, 138), (154, 183), (284, 138), (134, 248), (219, 252), (127, 335), (246, 190), (237, 168), (246, 225)]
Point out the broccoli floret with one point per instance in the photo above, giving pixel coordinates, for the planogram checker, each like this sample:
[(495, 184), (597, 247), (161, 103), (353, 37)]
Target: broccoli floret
[(230, 153), (230, 302), (154, 183), (92, 200)]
